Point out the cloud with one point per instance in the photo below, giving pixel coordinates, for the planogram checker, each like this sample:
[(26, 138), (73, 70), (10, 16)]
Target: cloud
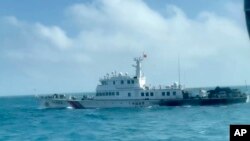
[(34, 41), (51, 35), (132, 26), (213, 48), (235, 9), (55, 35)]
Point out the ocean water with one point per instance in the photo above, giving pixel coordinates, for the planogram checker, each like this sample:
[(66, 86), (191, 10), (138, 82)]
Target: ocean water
[(21, 119)]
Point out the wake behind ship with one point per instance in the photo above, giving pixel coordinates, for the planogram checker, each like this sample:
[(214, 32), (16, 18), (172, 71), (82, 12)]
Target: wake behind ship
[(122, 90)]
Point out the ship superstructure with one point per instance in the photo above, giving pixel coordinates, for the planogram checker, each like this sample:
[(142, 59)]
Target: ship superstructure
[(123, 86)]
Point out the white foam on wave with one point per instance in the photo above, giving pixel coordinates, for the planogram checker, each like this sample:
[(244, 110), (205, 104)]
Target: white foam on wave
[(187, 106), (41, 107), (202, 132), (149, 107), (248, 96), (69, 107)]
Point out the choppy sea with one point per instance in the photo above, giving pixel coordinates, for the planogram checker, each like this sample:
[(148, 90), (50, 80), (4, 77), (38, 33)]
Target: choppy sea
[(21, 119)]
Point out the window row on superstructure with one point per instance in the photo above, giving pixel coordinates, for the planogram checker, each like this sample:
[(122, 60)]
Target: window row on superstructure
[(147, 94), (152, 94), (121, 82), (128, 82), (108, 94), (129, 94), (168, 93)]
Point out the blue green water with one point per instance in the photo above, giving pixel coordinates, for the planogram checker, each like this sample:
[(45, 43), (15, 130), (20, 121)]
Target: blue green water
[(21, 119)]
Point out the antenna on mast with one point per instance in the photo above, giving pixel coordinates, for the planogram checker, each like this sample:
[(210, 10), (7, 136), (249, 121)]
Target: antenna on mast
[(246, 85), (179, 74)]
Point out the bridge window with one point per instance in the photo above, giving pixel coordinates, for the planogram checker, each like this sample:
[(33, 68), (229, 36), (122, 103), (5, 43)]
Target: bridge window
[(163, 93), (128, 81), (142, 94), (151, 94), (174, 93), (129, 94), (132, 81), (168, 93), (113, 82), (122, 82), (107, 93), (147, 94), (117, 93)]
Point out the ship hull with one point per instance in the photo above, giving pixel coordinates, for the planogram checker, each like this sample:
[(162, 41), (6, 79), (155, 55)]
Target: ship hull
[(203, 101), (82, 104), (146, 103), (127, 103)]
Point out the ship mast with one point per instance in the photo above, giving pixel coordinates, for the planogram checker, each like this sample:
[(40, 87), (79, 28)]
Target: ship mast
[(138, 72), (179, 73), (138, 60)]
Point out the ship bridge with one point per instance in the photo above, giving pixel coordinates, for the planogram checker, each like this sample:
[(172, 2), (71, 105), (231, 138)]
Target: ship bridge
[(122, 81)]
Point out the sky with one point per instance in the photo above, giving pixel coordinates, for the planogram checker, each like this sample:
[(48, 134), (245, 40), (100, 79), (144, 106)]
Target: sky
[(64, 46)]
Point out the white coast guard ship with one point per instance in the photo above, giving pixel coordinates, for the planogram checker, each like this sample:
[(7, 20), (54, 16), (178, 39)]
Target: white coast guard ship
[(120, 90)]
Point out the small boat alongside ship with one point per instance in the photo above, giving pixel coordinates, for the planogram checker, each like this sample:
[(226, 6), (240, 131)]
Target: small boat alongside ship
[(54, 101), (122, 90), (218, 96)]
